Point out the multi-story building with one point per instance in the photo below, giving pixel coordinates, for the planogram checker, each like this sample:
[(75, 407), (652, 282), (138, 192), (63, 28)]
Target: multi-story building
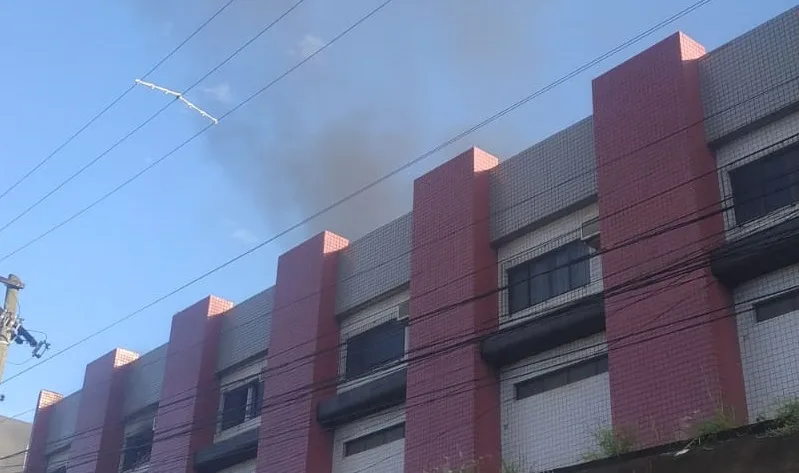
[(14, 436), (635, 273)]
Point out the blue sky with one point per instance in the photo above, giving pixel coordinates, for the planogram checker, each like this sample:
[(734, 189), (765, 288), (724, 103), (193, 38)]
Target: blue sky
[(403, 82)]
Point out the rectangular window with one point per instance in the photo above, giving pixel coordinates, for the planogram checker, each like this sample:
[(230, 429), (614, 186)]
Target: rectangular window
[(241, 404), (374, 440), (549, 275), (777, 306), (137, 449), (562, 377), (375, 348), (765, 185)]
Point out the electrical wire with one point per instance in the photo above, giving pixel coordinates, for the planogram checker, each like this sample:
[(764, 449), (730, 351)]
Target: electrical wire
[(547, 368), (483, 123), (115, 101), (147, 121)]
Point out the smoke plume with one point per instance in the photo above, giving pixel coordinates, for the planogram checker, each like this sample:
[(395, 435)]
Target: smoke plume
[(390, 90)]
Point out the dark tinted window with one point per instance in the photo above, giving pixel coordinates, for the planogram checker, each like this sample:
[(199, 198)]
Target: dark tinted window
[(562, 377), (374, 348), (777, 306), (547, 276), (241, 404), (765, 185), (137, 449), (374, 440)]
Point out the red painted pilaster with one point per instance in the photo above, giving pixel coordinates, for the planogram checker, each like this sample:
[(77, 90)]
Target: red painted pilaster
[(99, 429), (36, 461), (187, 411), (654, 171), (453, 408), (302, 359)]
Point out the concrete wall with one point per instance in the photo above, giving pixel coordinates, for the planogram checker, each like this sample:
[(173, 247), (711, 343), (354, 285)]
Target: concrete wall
[(374, 265), (769, 352), (14, 437), (555, 428), (61, 424), (543, 180), (751, 77), (144, 380), (388, 458), (246, 329)]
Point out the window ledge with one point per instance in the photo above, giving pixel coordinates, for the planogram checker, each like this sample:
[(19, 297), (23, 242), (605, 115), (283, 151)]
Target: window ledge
[(760, 253), (386, 370)]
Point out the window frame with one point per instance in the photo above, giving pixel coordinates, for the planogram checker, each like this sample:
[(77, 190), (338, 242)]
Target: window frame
[(132, 457), (373, 440), (749, 185), (574, 373), (524, 280), (357, 367), (770, 309), (252, 405)]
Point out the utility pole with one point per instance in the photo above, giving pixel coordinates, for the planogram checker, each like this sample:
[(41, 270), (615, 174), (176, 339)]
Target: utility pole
[(11, 329), (8, 317)]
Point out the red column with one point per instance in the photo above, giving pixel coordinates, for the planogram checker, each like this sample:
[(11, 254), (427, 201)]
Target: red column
[(303, 359), (655, 169), (452, 409), (187, 411), (36, 461), (99, 428)]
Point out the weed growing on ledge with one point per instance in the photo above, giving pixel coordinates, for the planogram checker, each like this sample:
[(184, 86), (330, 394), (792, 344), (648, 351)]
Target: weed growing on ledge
[(611, 443), (786, 419), (721, 420)]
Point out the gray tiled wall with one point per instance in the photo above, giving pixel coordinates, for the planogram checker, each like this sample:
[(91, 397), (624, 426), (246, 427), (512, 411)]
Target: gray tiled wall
[(752, 76), (144, 380), (246, 329), (375, 264), (546, 178), (62, 421)]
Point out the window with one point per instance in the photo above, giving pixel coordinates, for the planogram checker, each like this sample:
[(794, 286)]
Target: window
[(776, 306), (547, 276), (375, 348), (374, 440), (241, 404), (137, 449), (556, 379), (765, 185)]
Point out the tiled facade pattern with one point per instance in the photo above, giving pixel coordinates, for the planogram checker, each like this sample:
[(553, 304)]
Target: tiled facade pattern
[(668, 126)]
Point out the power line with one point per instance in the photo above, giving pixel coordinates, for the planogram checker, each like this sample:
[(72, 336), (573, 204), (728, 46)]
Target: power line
[(115, 101), (547, 368), (152, 117), (341, 201)]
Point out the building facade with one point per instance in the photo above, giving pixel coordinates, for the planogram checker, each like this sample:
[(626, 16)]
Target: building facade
[(633, 275)]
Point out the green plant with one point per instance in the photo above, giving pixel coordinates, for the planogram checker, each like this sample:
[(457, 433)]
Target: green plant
[(786, 419), (611, 443), (721, 420)]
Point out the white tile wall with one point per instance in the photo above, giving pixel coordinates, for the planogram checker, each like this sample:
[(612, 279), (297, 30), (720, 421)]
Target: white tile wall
[(736, 154), (769, 349), (362, 321), (536, 243), (555, 428), (244, 467), (230, 381), (389, 458)]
